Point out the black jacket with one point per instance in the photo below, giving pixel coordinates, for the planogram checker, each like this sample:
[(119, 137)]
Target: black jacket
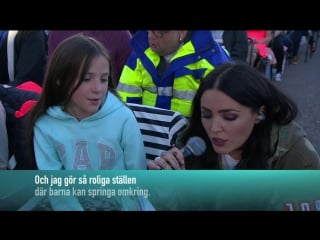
[(17, 103), (236, 42), (30, 58)]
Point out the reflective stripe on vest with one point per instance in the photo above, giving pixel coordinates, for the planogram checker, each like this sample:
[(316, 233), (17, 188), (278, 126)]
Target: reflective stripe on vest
[(128, 88), (161, 91), (169, 92)]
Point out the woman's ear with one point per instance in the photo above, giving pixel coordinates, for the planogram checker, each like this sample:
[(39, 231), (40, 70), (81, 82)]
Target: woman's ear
[(261, 115), (262, 109)]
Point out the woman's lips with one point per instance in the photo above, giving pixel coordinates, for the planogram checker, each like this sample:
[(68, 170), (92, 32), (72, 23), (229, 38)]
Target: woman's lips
[(218, 142)]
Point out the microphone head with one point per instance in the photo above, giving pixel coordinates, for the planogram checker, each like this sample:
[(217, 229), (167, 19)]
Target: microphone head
[(195, 146)]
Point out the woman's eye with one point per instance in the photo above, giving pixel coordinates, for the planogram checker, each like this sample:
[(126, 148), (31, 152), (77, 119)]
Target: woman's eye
[(205, 115), (230, 117)]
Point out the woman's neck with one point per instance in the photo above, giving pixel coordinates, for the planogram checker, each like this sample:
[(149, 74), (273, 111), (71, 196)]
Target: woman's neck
[(236, 154)]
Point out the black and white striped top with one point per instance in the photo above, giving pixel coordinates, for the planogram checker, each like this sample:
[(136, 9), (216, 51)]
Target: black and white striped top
[(159, 128)]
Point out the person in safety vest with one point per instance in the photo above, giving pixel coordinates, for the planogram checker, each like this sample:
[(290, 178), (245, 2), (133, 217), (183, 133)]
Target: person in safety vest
[(166, 67)]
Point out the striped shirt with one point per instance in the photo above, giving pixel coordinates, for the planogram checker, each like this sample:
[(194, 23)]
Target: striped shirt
[(159, 128)]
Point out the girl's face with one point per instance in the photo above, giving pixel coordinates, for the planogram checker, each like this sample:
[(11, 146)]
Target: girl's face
[(227, 123), (88, 97)]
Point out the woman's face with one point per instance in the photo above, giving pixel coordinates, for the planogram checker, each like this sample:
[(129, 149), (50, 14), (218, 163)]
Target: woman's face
[(227, 123)]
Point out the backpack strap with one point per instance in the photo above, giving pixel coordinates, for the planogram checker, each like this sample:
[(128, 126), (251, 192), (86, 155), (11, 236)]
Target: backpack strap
[(10, 53)]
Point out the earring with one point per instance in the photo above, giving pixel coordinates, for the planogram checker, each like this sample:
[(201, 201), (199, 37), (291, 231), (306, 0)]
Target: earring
[(261, 116)]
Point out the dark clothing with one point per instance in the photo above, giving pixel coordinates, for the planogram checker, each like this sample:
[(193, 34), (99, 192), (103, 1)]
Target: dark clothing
[(236, 42), (289, 149), (296, 36), (17, 102), (116, 42), (30, 58), (277, 46)]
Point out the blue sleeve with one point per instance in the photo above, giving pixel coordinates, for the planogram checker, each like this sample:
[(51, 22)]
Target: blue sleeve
[(44, 150), (133, 148)]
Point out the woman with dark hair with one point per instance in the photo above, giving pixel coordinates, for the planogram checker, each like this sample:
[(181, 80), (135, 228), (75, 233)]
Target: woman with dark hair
[(246, 123)]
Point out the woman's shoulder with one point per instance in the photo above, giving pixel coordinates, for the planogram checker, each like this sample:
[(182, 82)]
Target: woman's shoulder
[(294, 150), (291, 133), (287, 135)]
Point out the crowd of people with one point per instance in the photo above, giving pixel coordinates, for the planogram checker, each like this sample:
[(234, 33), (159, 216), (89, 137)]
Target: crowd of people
[(164, 69), (80, 119)]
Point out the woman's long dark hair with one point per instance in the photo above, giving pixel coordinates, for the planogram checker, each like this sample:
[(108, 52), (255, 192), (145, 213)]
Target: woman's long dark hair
[(249, 88)]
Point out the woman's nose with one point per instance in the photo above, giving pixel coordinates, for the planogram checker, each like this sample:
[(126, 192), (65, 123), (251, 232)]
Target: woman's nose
[(215, 125)]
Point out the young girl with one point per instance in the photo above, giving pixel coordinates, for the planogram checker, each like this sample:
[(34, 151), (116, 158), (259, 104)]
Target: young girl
[(79, 122), (246, 123)]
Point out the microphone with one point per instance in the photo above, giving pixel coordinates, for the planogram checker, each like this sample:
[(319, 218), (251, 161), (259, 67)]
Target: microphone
[(194, 147)]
